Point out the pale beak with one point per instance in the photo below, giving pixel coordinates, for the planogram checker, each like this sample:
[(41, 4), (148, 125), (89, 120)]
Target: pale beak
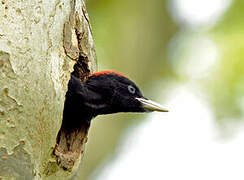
[(151, 106)]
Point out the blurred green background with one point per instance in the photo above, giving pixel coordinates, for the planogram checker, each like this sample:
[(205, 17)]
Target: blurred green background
[(162, 44)]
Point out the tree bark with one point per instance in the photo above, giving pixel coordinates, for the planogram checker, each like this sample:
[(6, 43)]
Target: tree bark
[(41, 43)]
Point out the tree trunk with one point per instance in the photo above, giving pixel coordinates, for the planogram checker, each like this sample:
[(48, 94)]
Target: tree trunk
[(41, 43)]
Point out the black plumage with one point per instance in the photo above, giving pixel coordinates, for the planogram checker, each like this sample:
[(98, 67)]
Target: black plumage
[(106, 92)]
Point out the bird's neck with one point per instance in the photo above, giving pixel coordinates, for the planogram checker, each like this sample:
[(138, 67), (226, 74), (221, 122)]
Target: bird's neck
[(76, 114)]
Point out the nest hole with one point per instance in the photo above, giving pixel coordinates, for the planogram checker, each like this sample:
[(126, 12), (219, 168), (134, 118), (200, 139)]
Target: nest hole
[(72, 136)]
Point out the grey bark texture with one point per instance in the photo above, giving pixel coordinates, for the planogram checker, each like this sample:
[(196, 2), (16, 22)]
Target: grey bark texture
[(41, 43)]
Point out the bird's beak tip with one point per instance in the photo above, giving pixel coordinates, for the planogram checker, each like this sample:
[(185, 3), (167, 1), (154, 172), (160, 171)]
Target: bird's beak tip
[(151, 105)]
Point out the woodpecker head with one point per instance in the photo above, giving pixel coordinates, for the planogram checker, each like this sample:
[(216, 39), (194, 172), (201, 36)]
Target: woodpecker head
[(109, 92)]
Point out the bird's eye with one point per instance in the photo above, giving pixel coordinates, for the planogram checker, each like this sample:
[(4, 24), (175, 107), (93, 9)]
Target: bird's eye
[(131, 89)]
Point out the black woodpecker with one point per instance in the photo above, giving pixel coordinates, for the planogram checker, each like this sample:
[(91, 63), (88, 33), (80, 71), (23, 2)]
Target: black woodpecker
[(104, 92)]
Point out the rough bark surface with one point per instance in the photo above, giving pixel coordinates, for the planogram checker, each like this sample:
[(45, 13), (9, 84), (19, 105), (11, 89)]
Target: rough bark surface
[(40, 42)]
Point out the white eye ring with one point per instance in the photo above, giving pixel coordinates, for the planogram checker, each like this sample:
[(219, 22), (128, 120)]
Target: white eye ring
[(131, 89)]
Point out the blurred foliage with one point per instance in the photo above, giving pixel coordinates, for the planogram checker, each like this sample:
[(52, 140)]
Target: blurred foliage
[(227, 92), (133, 37)]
